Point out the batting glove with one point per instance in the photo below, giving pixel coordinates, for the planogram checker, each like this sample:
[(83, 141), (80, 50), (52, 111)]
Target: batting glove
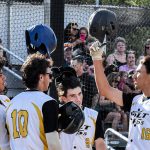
[(96, 51)]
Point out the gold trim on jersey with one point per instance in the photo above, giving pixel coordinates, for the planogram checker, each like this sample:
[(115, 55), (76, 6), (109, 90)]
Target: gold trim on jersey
[(94, 122), (6, 122), (41, 127)]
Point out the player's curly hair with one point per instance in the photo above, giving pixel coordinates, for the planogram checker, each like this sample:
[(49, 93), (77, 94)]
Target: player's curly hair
[(34, 65)]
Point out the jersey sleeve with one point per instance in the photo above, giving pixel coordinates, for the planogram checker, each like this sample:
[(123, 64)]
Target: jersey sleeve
[(4, 141), (127, 101), (50, 116), (99, 132)]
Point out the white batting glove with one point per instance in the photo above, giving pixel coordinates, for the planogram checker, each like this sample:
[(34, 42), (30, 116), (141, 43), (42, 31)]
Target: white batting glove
[(96, 51)]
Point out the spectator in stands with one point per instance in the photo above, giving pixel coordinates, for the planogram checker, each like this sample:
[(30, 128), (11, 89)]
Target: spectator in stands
[(130, 82), (67, 55), (146, 50), (122, 85), (130, 62), (147, 47), (71, 32), (81, 42), (111, 68), (87, 81), (91, 70), (119, 56)]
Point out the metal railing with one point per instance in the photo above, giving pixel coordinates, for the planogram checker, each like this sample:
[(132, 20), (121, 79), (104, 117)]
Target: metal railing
[(17, 57), (12, 72), (106, 136), (11, 53)]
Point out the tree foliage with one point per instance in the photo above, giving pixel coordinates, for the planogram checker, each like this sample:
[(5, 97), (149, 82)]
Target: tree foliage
[(144, 3)]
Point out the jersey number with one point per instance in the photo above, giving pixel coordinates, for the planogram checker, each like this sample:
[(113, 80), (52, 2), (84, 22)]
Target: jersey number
[(22, 118)]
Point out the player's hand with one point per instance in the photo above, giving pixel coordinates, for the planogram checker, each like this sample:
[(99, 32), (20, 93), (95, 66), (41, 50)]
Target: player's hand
[(96, 51)]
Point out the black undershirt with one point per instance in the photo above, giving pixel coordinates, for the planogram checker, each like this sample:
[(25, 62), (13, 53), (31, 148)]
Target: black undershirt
[(99, 133), (50, 111), (127, 101)]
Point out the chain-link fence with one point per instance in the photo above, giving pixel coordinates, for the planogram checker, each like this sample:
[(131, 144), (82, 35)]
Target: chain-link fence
[(17, 16)]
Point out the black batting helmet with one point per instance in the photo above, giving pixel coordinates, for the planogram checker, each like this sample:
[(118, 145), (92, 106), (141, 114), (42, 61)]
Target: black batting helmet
[(102, 22), (71, 118), (40, 38)]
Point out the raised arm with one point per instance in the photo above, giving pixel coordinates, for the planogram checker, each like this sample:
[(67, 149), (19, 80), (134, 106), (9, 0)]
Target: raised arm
[(103, 86)]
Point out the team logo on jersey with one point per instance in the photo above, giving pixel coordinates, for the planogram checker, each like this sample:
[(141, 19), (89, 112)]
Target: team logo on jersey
[(137, 117), (83, 130)]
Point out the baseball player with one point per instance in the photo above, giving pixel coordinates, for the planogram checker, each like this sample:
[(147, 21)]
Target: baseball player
[(32, 116), (102, 23), (69, 89), (4, 102), (139, 106)]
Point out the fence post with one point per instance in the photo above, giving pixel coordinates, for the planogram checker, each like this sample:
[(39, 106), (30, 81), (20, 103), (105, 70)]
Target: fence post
[(47, 12), (57, 24)]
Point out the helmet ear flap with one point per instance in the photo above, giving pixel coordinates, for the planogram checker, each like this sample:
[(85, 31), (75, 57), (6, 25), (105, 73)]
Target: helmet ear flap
[(113, 27), (30, 48), (27, 37)]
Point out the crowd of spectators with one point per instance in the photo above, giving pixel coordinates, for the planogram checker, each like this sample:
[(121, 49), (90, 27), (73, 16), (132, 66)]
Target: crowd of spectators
[(120, 65)]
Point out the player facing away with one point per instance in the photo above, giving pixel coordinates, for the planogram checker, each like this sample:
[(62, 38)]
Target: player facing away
[(32, 116), (91, 132), (4, 102), (138, 105)]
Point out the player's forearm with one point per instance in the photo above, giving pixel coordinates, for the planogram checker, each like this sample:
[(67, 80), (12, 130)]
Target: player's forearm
[(53, 141), (100, 144), (101, 80)]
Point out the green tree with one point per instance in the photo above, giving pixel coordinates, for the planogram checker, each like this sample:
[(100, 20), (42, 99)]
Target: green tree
[(145, 3)]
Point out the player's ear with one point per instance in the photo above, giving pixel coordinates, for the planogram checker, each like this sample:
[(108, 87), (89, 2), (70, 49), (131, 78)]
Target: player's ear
[(64, 99), (40, 77)]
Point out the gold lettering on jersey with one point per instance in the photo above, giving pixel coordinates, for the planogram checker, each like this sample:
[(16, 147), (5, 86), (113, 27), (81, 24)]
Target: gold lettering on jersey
[(7, 100), (87, 142), (20, 129), (145, 135), (23, 115)]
